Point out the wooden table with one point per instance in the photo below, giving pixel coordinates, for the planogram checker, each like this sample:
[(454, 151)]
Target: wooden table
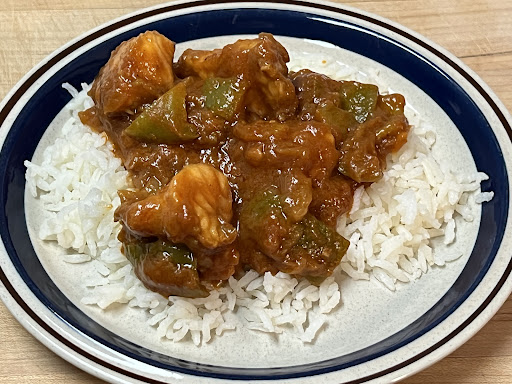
[(479, 32)]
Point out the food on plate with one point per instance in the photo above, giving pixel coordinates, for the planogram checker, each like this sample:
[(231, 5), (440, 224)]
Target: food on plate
[(322, 184), (236, 163)]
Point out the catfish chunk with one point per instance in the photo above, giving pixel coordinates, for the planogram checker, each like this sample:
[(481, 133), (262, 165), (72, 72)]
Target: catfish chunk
[(306, 145), (195, 208), (138, 72), (259, 63), (313, 91)]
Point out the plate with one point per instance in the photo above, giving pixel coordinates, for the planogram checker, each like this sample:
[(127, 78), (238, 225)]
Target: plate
[(396, 334)]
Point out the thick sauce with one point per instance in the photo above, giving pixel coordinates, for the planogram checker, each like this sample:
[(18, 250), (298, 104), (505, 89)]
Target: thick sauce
[(236, 163)]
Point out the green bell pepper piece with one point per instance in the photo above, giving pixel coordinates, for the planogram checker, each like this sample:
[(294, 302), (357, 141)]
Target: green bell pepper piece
[(320, 241), (359, 99), (264, 222), (223, 96), (165, 121), (338, 119), (177, 253), (167, 268)]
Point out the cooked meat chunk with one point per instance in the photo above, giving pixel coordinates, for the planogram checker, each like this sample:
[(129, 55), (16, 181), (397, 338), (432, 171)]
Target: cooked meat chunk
[(260, 64), (195, 206), (332, 198), (307, 145), (314, 90), (138, 72), (359, 158)]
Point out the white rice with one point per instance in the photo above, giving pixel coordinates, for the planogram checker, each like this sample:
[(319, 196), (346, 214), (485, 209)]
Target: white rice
[(390, 229), (392, 222)]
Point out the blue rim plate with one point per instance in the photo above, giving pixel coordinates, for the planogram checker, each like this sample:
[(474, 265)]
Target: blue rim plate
[(482, 286)]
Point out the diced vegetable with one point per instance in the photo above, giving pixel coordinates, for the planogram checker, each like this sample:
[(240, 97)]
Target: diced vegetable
[(285, 205), (318, 243), (263, 222), (306, 248), (177, 253), (392, 136), (223, 96), (167, 268), (268, 202), (165, 121), (339, 120), (359, 99)]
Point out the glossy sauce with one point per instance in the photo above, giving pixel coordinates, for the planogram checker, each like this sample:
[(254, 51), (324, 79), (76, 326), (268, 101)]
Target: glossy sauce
[(237, 164)]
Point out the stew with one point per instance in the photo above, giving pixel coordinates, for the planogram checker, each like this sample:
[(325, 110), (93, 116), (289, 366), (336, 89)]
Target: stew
[(236, 163)]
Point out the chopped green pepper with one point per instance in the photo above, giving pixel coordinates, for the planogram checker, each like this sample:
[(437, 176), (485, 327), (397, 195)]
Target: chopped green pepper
[(262, 221), (268, 202), (338, 119), (285, 207), (359, 99), (306, 248), (319, 244), (223, 96), (167, 268), (165, 121)]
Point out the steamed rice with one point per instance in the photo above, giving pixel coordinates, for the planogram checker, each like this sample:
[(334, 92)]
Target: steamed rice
[(390, 227)]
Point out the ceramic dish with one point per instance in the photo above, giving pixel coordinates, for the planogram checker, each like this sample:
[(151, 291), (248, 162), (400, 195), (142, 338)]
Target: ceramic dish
[(380, 336)]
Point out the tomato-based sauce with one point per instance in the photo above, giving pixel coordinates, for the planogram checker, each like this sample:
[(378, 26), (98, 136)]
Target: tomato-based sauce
[(236, 164)]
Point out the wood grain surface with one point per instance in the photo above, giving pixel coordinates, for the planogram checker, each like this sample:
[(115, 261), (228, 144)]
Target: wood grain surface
[(479, 32)]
